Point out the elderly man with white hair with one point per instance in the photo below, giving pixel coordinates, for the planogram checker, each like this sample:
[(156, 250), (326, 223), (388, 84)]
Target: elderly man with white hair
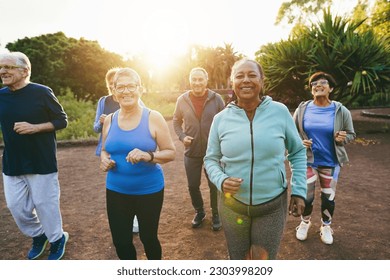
[(29, 116)]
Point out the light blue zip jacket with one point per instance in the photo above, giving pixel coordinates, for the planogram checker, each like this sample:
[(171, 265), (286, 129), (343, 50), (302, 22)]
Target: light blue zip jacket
[(256, 152)]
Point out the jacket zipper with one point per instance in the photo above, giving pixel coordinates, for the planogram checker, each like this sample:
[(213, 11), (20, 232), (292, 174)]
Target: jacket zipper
[(252, 164)]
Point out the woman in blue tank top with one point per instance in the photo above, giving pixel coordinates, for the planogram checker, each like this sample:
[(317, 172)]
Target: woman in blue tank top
[(136, 141), (325, 127)]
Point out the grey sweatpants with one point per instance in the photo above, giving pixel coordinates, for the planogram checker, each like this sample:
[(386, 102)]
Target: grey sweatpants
[(34, 202), (258, 227)]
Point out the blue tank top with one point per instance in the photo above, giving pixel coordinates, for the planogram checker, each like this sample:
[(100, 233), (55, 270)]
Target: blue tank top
[(126, 178), (318, 123)]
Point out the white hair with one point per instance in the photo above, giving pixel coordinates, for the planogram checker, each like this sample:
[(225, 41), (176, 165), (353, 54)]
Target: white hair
[(20, 60), (199, 69)]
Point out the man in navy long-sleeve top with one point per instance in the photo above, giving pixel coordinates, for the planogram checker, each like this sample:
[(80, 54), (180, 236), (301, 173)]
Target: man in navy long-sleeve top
[(29, 116)]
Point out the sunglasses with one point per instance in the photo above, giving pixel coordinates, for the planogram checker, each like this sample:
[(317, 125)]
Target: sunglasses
[(321, 82)]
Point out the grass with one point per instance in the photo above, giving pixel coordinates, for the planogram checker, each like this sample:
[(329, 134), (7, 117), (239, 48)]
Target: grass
[(163, 102)]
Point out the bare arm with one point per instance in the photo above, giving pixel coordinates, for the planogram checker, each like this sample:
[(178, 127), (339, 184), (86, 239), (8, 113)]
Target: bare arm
[(160, 131)]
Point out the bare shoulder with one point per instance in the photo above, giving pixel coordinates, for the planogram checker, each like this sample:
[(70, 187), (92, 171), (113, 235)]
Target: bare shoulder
[(156, 116), (157, 123)]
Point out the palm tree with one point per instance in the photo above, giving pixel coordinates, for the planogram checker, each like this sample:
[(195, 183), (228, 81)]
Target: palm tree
[(228, 57), (359, 61)]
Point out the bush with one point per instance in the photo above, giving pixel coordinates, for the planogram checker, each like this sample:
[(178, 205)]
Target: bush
[(163, 102), (81, 115)]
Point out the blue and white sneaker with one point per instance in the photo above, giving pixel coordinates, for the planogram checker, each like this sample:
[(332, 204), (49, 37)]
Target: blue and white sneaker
[(57, 248), (38, 247)]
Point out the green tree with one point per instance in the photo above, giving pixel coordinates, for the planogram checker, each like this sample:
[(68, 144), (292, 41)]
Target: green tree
[(359, 61), (380, 19), (360, 58), (217, 62), (297, 11), (285, 65), (228, 58), (209, 59), (46, 53), (61, 63), (360, 14), (375, 17), (86, 64)]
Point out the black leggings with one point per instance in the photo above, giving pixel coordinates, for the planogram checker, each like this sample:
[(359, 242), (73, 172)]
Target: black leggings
[(121, 209)]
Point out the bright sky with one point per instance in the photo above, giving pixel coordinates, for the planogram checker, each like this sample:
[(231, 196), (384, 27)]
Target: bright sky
[(158, 28)]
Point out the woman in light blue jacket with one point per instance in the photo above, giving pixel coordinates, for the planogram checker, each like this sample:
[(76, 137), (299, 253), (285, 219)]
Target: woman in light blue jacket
[(245, 159)]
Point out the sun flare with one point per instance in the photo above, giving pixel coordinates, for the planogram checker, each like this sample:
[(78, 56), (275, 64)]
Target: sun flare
[(165, 37)]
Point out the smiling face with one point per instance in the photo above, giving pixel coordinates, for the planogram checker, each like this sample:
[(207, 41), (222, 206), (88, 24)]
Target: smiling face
[(127, 91), (247, 81), (320, 88), (11, 74), (198, 82), (321, 85)]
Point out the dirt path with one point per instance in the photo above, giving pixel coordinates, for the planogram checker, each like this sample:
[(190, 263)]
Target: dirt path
[(361, 221)]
